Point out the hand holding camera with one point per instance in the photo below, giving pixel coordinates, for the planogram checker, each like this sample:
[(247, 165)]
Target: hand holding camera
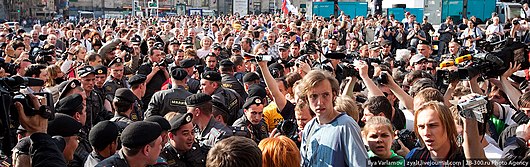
[(35, 123)]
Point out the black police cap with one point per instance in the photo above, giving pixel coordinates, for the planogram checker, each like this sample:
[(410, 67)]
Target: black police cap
[(197, 99), (136, 40), (164, 124), (251, 76), (236, 47), (335, 55), (63, 125), (216, 46), (137, 79), (187, 63), (179, 120), (257, 90), (178, 74), (115, 60), (226, 63), (284, 46), (124, 94), (70, 104), (276, 66), (100, 69), (65, 87), (86, 70), (211, 76), (174, 41), (220, 106), (253, 100), (159, 45), (139, 134), (103, 134)]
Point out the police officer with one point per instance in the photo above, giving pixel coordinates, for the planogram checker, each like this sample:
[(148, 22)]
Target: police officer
[(123, 104), (141, 146), (101, 76), (211, 85), (172, 100), (182, 150), (104, 140), (253, 119), (67, 127), (193, 84), (72, 106), (228, 80), (116, 79), (95, 109), (137, 83), (208, 129)]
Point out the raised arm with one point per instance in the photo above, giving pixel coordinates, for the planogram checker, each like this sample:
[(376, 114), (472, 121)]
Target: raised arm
[(512, 92), (277, 96)]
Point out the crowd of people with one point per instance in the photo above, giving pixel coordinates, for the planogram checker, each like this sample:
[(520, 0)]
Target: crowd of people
[(265, 90)]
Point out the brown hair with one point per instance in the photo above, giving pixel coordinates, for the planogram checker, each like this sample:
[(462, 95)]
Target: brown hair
[(377, 121), (446, 118), (315, 77), (347, 105), (234, 151), (279, 151), (429, 94)]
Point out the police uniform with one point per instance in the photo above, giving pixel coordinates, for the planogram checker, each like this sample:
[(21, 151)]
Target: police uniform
[(172, 100), (69, 105), (195, 157), (100, 69), (214, 131), (95, 108), (228, 97), (194, 85), (112, 84), (229, 81), (258, 132), (101, 136), (138, 113), (120, 118), (137, 134)]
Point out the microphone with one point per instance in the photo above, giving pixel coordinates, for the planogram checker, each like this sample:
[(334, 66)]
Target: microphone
[(461, 59), (447, 63)]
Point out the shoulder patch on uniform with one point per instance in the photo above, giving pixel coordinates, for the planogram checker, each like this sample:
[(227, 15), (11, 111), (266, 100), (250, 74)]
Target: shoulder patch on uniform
[(108, 88)]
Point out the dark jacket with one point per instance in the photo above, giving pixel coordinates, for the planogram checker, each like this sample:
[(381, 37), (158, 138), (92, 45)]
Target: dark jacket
[(232, 101), (116, 160), (44, 152), (230, 82), (194, 157), (257, 132), (172, 100), (213, 133)]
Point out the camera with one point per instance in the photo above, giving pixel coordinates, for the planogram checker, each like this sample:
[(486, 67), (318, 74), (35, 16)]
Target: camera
[(475, 108), (126, 48), (162, 63), (9, 94), (288, 128), (259, 57), (382, 79), (349, 67), (407, 137), (520, 118)]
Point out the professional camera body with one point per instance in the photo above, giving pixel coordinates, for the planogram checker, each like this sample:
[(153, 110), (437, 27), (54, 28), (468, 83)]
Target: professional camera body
[(259, 57), (9, 94), (348, 66), (288, 128)]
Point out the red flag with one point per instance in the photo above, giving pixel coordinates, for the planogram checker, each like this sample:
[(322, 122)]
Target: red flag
[(284, 7)]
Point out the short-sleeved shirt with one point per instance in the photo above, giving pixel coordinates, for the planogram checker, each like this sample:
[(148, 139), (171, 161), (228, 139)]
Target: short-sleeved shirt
[(336, 144)]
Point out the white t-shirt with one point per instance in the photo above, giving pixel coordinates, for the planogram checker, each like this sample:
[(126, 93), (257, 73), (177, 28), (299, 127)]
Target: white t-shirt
[(492, 153)]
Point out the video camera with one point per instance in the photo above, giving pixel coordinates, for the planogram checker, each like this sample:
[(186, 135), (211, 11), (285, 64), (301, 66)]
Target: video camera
[(259, 57), (349, 66), (490, 65), (9, 94), (476, 108)]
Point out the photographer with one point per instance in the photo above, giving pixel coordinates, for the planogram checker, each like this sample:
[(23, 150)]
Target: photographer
[(415, 35)]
